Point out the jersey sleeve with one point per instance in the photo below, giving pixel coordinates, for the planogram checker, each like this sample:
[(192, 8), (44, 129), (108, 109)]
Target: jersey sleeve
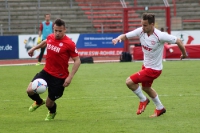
[(165, 37), (73, 52), (41, 27), (134, 33)]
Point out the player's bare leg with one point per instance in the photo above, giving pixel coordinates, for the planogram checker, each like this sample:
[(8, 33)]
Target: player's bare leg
[(159, 107), (35, 97), (51, 105), (144, 101), (150, 91)]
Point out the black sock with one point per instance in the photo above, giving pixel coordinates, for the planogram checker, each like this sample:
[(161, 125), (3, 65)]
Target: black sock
[(36, 98), (53, 109)]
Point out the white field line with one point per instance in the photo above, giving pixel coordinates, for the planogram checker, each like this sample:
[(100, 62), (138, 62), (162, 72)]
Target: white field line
[(115, 97), (98, 61), (70, 62), (20, 64)]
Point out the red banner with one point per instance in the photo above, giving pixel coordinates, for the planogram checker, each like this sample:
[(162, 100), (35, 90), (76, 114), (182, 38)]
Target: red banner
[(170, 51), (100, 52)]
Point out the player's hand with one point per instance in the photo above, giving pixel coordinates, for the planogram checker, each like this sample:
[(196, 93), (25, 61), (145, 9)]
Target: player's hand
[(39, 40), (116, 40), (30, 52), (67, 81)]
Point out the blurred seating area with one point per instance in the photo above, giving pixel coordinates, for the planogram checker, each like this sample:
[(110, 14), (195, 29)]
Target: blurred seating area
[(93, 16), (24, 16), (107, 17)]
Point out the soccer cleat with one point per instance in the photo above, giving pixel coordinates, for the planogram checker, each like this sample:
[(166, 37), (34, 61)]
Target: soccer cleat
[(158, 112), (34, 106), (142, 106), (37, 64), (50, 116)]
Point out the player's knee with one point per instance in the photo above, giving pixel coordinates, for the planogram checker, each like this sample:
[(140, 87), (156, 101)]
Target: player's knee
[(29, 91), (49, 104), (146, 89), (129, 82)]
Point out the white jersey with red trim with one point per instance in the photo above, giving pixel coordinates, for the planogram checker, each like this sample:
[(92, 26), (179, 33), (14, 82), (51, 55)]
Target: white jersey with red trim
[(152, 46)]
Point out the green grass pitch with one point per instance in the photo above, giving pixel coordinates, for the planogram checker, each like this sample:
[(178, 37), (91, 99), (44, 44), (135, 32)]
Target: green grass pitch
[(98, 101)]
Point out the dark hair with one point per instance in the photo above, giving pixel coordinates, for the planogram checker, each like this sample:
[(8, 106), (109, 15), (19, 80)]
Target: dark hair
[(149, 16), (59, 22), (47, 14)]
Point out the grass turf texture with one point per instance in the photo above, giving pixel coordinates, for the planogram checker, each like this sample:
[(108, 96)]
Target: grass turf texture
[(98, 101)]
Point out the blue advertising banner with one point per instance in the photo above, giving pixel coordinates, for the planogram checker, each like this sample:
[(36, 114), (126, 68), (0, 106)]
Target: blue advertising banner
[(9, 47), (97, 41)]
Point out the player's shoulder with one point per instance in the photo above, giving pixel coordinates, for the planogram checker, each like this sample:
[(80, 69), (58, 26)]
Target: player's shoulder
[(139, 30), (68, 40), (50, 36), (159, 33), (135, 32), (164, 36)]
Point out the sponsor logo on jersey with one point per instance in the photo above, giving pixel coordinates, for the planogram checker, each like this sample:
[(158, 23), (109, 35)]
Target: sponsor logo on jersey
[(53, 48), (153, 42), (147, 48), (61, 44)]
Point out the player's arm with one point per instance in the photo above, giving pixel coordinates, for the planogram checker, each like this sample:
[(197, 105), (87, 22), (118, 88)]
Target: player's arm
[(120, 38), (128, 35), (77, 63), (40, 33), (174, 40), (40, 45), (75, 67), (182, 48)]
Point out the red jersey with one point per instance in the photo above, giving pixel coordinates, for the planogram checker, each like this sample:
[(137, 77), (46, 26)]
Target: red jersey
[(58, 54)]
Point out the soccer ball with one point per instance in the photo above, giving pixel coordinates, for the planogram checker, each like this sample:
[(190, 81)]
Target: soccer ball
[(39, 86)]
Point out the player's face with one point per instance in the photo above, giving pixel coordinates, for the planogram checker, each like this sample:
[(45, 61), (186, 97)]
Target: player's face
[(47, 18), (59, 31), (147, 28)]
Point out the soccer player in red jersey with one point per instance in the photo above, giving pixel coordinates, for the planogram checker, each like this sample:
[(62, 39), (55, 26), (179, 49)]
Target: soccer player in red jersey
[(59, 49)]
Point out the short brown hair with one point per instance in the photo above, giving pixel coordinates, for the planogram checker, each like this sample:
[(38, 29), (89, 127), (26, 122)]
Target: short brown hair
[(59, 22), (149, 16), (47, 14)]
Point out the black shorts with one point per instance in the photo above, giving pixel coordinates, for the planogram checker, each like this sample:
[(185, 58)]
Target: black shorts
[(55, 85)]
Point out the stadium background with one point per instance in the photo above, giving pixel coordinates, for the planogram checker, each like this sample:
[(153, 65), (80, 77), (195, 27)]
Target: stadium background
[(99, 20)]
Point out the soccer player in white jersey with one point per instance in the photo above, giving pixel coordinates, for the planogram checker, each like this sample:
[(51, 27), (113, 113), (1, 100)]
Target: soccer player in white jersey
[(152, 42)]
